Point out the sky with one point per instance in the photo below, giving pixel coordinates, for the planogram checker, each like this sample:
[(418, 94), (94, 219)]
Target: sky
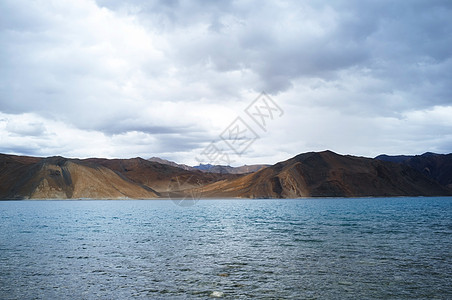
[(225, 82)]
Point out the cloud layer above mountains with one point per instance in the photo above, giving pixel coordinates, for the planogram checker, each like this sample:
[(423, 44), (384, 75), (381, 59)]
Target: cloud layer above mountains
[(166, 78)]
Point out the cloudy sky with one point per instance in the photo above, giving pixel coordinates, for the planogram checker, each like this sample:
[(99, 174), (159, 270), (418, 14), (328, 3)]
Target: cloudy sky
[(134, 78)]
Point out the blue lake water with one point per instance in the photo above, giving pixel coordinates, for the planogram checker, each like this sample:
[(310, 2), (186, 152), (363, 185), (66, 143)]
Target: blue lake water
[(383, 248)]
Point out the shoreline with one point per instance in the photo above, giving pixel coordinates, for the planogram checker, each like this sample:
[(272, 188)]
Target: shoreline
[(217, 198)]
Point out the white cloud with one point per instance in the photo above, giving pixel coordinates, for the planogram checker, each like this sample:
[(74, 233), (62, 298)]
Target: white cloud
[(132, 78)]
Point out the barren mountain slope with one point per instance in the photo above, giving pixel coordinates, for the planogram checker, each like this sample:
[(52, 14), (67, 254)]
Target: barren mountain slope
[(327, 174)]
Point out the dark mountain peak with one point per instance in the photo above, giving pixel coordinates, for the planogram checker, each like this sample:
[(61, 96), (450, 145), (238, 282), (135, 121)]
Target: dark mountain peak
[(426, 154), (327, 152), (315, 158), (55, 160), (303, 156)]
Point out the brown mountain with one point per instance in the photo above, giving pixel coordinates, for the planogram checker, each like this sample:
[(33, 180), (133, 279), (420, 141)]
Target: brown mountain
[(62, 178), (160, 177), (323, 174), (327, 174), (435, 166)]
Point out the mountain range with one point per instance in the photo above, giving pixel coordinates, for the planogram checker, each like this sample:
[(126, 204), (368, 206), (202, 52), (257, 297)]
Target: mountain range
[(212, 168), (312, 174)]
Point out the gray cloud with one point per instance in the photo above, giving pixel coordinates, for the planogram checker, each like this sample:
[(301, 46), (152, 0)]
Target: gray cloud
[(173, 74)]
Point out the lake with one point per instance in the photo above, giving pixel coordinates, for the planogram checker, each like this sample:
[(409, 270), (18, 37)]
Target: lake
[(368, 248)]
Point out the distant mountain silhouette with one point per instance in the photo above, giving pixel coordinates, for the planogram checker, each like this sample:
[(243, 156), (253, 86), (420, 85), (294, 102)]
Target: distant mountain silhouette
[(211, 168), (230, 170)]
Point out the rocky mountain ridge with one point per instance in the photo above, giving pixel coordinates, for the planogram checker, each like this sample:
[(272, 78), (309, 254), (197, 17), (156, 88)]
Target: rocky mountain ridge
[(312, 174)]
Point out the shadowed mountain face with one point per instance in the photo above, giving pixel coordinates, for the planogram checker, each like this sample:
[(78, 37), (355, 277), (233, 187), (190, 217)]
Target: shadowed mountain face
[(15, 171), (327, 174), (435, 166), (324, 174), (394, 158)]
